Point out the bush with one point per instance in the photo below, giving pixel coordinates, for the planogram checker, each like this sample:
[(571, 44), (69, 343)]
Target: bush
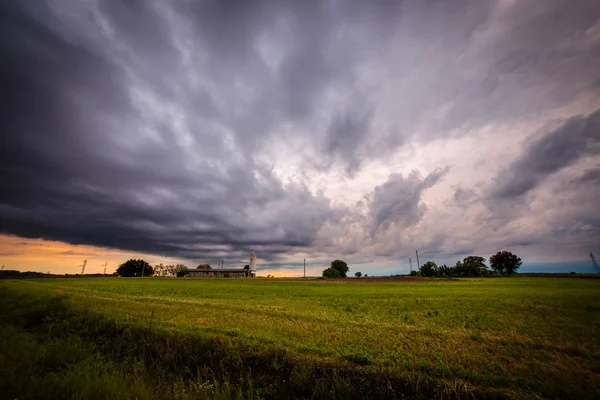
[(181, 273), (331, 273)]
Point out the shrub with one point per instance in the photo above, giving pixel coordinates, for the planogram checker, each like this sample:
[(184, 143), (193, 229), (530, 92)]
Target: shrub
[(331, 273)]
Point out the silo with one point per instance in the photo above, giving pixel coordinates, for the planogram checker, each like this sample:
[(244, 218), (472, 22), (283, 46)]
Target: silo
[(252, 264)]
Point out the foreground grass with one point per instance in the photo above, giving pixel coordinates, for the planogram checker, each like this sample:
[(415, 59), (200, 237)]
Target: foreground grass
[(178, 338)]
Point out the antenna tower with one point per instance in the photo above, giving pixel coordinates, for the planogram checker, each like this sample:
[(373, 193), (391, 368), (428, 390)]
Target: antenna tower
[(418, 263)]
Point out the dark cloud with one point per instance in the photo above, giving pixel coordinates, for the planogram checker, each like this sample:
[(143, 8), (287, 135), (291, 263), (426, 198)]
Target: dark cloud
[(577, 137), (589, 177), (398, 200), (464, 197), (506, 61), (194, 129), (82, 163)]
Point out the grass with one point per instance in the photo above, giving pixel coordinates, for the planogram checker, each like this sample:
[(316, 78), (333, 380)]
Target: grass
[(227, 338)]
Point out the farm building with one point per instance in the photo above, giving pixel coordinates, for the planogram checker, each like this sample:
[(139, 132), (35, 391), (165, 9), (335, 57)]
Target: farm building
[(227, 272)]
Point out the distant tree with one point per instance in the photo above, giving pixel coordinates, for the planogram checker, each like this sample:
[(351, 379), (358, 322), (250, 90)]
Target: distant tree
[(246, 266), (331, 273), (204, 266), (428, 269), (135, 268), (341, 266), (505, 262), (358, 274), (445, 271), (474, 266), (366, 275), (160, 270), (412, 273), (181, 270)]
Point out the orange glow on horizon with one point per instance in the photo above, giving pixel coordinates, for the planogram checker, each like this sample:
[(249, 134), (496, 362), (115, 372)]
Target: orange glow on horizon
[(56, 257), (41, 255)]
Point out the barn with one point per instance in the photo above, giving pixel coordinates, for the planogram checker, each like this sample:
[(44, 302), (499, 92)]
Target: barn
[(226, 272)]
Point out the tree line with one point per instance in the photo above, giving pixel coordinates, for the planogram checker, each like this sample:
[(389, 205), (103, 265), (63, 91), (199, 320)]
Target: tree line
[(142, 268), (501, 263)]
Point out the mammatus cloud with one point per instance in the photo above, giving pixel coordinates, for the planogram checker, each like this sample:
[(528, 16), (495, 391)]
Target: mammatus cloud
[(214, 128)]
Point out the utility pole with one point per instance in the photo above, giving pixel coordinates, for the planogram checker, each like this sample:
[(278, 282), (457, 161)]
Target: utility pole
[(105, 264), (1, 269), (83, 267), (410, 263), (305, 267), (143, 269), (418, 263)]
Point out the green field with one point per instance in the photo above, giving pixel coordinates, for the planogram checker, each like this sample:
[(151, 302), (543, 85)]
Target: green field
[(183, 338)]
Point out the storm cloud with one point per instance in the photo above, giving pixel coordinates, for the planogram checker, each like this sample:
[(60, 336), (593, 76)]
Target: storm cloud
[(575, 138), (200, 129), (398, 201)]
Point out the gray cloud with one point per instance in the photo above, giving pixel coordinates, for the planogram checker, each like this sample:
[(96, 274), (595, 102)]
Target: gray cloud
[(589, 177), (464, 197), (492, 62), (166, 127), (86, 163), (398, 200), (575, 138)]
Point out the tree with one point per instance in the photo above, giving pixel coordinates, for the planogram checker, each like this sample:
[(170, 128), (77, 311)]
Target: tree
[(505, 262), (160, 270), (474, 266), (428, 269), (358, 274), (331, 273), (341, 266), (246, 266), (204, 266), (180, 270), (445, 271), (135, 268)]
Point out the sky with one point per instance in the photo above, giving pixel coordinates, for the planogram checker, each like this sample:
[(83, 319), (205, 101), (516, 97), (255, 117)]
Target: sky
[(195, 131)]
